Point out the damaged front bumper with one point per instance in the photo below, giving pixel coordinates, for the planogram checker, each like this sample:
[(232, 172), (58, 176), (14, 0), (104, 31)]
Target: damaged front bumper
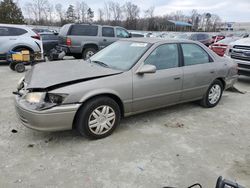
[(57, 118)]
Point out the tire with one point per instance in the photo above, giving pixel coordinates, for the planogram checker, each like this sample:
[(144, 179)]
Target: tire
[(101, 126), (88, 52), (215, 90), (78, 56), (20, 67), (12, 66)]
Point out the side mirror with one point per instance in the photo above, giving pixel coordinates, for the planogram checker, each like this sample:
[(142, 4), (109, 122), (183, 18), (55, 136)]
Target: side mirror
[(129, 35), (147, 69)]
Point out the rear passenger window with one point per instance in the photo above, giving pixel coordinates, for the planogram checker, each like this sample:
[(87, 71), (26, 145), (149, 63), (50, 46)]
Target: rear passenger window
[(164, 57), (11, 31), (84, 30), (194, 54), (108, 32), (4, 31)]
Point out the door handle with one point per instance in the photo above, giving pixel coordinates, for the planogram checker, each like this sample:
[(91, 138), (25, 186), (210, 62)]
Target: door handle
[(212, 72), (104, 40), (177, 78)]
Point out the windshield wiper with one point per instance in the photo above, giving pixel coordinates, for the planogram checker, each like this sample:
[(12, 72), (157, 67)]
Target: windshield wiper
[(100, 63)]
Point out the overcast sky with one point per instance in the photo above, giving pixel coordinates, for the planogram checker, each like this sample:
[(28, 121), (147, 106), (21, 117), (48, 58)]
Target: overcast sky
[(228, 10)]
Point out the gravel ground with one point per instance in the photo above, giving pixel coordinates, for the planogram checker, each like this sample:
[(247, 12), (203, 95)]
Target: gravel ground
[(176, 146)]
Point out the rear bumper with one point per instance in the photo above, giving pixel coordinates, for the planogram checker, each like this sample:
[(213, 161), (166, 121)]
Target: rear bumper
[(71, 50), (55, 119)]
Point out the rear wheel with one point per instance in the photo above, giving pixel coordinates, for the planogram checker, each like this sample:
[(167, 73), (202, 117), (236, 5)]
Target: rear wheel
[(213, 95), (88, 52), (98, 118), (20, 67), (12, 65)]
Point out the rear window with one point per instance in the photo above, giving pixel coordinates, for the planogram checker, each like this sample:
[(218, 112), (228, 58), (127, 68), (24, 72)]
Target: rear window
[(84, 30), (11, 31), (64, 30)]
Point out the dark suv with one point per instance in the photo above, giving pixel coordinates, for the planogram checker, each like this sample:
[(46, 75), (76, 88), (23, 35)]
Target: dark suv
[(83, 40), (202, 37)]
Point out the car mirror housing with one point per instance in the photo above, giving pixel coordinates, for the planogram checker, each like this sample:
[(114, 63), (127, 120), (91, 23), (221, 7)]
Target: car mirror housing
[(146, 69)]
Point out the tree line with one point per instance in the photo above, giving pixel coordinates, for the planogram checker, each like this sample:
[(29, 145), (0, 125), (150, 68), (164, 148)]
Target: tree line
[(128, 15)]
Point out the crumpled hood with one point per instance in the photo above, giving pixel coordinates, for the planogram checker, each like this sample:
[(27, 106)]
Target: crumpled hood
[(60, 73)]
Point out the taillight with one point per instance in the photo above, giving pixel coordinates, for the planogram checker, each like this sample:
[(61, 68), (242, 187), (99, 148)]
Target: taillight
[(68, 42), (37, 36)]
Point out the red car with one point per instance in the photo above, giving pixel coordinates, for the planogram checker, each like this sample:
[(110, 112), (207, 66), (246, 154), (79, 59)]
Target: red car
[(217, 38), (221, 46)]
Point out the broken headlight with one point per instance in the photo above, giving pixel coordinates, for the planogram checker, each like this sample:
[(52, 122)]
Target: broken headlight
[(55, 98), (42, 100)]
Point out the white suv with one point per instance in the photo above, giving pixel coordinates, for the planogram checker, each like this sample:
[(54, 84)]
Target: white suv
[(17, 38)]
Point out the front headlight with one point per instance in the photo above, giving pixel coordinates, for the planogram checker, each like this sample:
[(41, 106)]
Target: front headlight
[(42, 100), (35, 97), (55, 98)]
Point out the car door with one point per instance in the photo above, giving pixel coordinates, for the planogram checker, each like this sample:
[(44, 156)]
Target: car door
[(199, 71), (108, 36), (155, 90)]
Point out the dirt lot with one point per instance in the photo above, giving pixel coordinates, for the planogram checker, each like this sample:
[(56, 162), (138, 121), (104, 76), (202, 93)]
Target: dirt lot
[(176, 146)]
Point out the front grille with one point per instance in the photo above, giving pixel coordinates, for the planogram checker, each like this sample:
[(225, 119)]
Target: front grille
[(242, 47), (240, 57), (244, 66), (241, 53)]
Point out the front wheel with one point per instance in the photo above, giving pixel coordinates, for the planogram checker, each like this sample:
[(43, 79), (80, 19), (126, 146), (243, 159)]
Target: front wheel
[(213, 95), (98, 118), (87, 53)]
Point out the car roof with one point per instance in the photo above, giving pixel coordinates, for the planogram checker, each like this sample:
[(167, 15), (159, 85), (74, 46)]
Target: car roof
[(14, 25), (158, 40)]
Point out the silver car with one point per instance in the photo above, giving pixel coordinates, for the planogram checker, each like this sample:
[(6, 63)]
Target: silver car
[(128, 77), (17, 38)]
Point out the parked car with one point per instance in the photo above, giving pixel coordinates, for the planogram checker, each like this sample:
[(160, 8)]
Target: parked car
[(50, 41), (18, 38), (221, 46), (202, 37), (128, 77), (84, 40), (134, 34), (239, 52), (217, 38)]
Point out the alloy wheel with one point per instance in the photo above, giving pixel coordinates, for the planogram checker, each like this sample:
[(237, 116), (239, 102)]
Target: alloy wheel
[(101, 120)]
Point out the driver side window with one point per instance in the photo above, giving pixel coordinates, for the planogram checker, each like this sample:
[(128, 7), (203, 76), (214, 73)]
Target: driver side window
[(164, 57), (121, 33)]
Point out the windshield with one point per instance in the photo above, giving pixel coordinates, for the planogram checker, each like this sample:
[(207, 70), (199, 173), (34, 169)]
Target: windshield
[(121, 55)]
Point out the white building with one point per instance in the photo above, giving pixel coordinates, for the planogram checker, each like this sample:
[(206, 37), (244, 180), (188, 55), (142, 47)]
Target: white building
[(235, 26)]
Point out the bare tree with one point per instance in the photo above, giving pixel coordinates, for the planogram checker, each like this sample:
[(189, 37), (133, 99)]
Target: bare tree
[(100, 15), (149, 13), (38, 9), (59, 11), (115, 10), (84, 11), (107, 11), (132, 12)]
